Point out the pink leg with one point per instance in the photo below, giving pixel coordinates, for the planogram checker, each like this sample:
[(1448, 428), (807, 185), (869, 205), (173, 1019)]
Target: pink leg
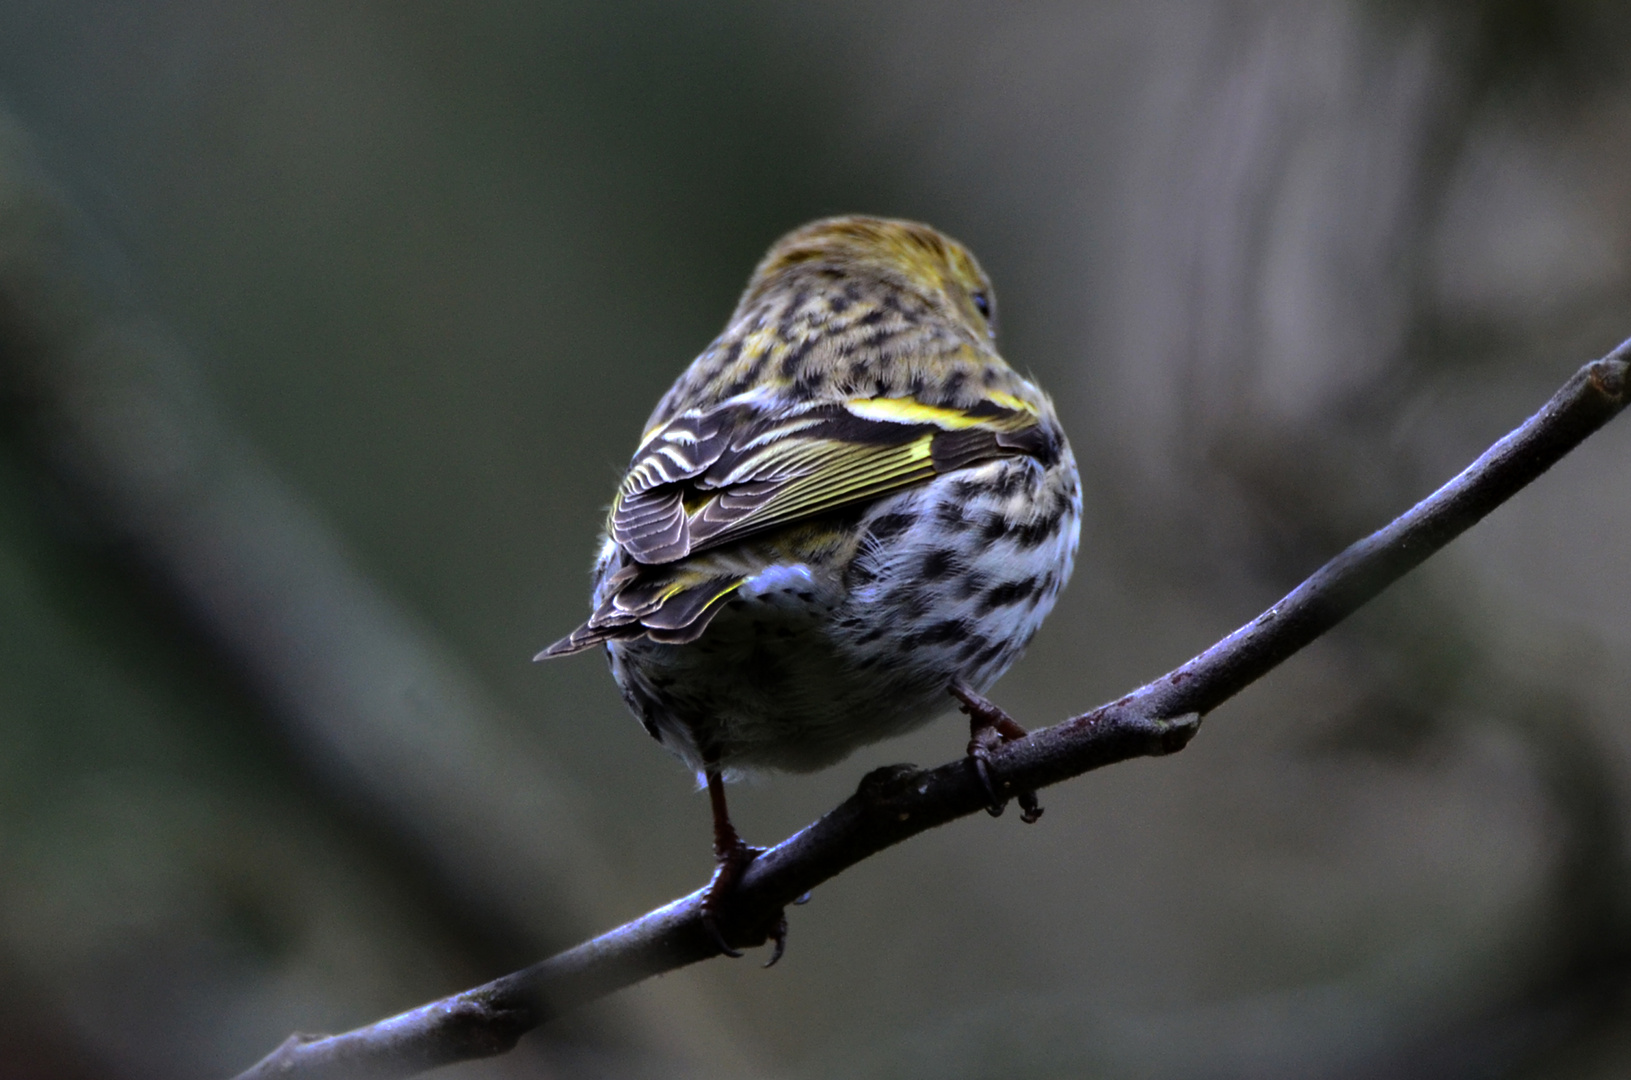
[(731, 858)]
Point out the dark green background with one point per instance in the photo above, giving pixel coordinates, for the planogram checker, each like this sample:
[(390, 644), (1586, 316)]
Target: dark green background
[(1284, 268)]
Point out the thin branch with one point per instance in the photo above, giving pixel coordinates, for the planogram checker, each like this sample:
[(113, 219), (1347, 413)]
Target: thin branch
[(897, 802)]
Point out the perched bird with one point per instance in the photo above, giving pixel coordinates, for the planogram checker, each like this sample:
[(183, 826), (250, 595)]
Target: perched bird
[(846, 508)]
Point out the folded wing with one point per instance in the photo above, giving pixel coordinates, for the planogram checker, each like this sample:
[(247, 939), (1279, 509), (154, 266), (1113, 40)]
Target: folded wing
[(712, 477)]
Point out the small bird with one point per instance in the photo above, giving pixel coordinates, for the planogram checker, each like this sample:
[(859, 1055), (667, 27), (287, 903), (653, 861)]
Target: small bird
[(847, 508)]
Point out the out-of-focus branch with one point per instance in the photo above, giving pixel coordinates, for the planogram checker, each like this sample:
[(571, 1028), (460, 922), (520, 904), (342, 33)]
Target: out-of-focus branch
[(897, 802)]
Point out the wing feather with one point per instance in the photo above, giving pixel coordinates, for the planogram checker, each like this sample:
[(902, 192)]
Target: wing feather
[(714, 476)]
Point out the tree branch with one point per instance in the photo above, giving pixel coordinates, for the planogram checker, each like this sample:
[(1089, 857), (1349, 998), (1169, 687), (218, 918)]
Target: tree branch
[(900, 801)]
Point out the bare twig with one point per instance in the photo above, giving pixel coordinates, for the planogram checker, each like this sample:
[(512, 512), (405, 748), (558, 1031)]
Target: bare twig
[(896, 802)]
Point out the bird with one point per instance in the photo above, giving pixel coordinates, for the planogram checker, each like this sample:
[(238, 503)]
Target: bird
[(846, 508)]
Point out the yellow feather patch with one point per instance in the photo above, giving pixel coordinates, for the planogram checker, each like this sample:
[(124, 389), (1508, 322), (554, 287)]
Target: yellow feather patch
[(844, 474), (1009, 401), (907, 411), (685, 582), (726, 591), (757, 342)]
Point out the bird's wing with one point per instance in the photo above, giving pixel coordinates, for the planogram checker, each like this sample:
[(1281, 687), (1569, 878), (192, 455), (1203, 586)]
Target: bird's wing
[(710, 477)]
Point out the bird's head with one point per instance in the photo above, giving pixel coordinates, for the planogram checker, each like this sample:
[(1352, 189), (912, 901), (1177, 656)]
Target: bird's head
[(905, 253)]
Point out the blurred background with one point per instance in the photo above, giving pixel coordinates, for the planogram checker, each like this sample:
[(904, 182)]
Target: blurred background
[(326, 330)]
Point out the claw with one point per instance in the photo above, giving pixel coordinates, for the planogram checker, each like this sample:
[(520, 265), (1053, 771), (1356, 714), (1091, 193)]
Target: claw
[(711, 926), (778, 934), (733, 859), (1029, 808), (990, 727), (977, 754), (726, 875)]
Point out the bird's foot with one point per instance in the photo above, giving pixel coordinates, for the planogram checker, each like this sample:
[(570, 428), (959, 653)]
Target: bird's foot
[(731, 863), (989, 727)]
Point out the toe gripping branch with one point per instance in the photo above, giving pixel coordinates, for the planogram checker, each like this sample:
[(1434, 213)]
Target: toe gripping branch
[(988, 728), (732, 857)]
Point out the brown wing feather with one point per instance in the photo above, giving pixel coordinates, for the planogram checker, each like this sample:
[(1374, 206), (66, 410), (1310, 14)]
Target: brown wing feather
[(692, 488)]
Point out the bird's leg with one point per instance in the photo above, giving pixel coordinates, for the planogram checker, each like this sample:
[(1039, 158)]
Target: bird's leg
[(988, 728), (731, 858)]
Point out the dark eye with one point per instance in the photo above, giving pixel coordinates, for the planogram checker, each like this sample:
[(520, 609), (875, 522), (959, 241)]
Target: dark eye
[(982, 304)]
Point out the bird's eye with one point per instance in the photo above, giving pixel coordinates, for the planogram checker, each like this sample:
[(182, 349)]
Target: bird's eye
[(982, 304)]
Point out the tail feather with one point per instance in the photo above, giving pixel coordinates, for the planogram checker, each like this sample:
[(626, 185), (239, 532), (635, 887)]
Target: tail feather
[(584, 637), (679, 617)]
